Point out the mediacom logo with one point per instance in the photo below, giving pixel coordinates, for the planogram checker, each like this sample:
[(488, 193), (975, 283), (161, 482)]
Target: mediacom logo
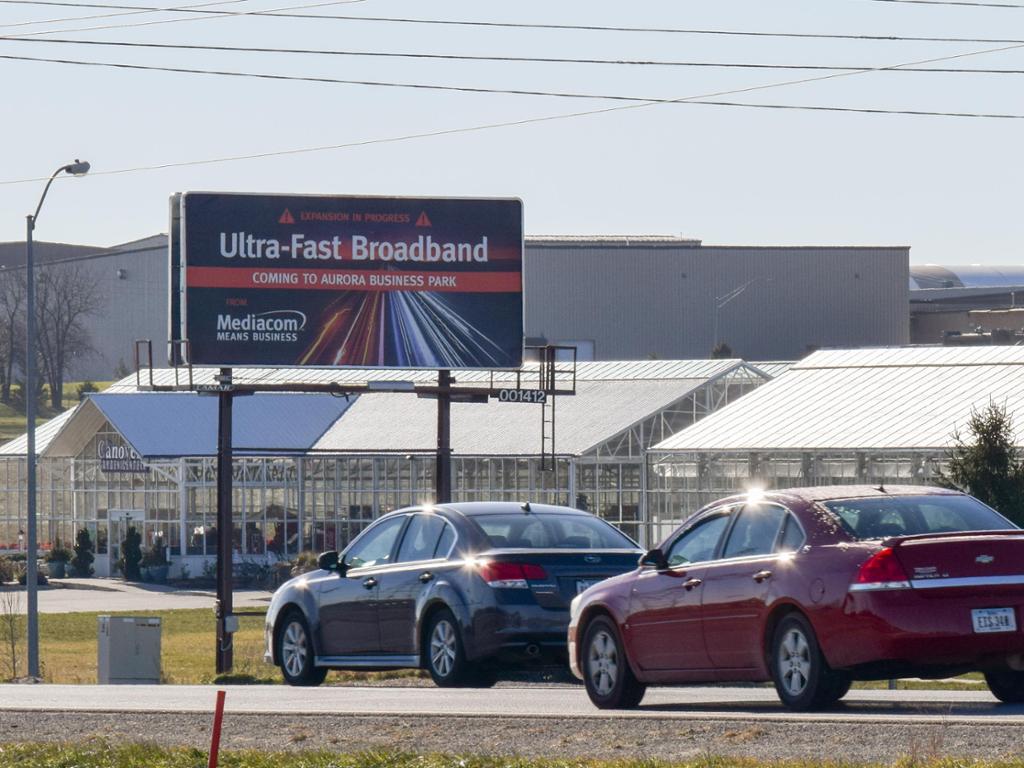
[(279, 325)]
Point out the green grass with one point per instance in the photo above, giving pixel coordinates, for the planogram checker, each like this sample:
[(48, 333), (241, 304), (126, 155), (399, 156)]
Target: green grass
[(12, 421), (103, 755)]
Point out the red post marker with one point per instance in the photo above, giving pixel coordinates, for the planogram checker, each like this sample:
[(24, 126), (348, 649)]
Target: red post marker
[(218, 717)]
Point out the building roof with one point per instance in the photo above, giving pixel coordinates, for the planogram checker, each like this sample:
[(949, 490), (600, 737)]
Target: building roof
[(628, 370), (172, 424), (934, 276), (598, 411), (610, 241), (610, 398), (895, 398)]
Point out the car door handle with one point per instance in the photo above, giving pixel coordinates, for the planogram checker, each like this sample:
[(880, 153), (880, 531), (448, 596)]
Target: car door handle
[(426, 576), (762, 576), (370, 583), (691, 583)]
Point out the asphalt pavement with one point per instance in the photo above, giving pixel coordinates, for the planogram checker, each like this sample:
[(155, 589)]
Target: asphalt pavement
[(527, 701)]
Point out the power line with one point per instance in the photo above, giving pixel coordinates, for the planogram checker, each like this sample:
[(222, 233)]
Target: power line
[(506, 59), (966, 3), (206, 14), (111, 15), (705, 99), (523, 25)]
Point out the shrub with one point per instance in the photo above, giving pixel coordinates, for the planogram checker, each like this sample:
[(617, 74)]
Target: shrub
[(131, 555), (6, 570), (84, 548), (155, 557), (85, 388), (305, 562), (57, 553)]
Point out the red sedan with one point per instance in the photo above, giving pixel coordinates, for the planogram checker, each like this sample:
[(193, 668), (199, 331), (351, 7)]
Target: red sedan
[(812, 588)]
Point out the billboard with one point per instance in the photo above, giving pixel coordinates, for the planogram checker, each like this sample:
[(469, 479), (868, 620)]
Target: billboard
[(331, 281)]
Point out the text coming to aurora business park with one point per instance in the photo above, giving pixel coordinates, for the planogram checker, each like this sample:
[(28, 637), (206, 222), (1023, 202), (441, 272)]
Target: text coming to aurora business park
[(284, 280)]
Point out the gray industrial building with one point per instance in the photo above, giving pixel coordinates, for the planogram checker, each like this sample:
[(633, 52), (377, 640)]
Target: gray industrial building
[(966, 305), (614, 297)]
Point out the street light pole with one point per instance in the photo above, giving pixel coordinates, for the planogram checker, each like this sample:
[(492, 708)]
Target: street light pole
[(77, 168)]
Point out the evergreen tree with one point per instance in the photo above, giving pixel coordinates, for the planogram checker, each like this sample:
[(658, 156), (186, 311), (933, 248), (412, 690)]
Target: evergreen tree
[(131, 555), (987, 463), (84, 548)]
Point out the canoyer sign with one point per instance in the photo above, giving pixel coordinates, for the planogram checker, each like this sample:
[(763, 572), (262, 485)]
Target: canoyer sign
[(280, 280)]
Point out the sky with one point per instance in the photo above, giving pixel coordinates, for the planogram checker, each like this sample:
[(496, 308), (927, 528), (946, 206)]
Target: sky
[(945, 186)]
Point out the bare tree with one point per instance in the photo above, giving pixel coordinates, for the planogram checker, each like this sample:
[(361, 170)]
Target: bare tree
[(66, 295), (12, 327), (10, 630)]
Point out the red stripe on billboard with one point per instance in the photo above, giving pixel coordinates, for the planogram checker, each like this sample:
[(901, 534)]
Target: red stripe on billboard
[(353, 280)]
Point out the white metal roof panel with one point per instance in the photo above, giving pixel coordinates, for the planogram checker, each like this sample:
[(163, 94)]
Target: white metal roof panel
[(627, 370), (45, 433), (598, 411), (881, 399)]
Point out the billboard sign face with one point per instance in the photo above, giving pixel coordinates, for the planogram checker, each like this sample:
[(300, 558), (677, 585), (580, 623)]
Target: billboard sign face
[(285, 280)]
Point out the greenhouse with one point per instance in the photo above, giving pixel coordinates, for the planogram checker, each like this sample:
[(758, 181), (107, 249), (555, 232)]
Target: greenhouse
[(879, 416), (311, 470)]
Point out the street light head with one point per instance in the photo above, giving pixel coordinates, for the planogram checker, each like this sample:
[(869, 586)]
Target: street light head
[(77, 168)]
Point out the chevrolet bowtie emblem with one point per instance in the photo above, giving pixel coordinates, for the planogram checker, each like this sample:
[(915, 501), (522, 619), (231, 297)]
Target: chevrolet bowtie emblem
[(986, 559)]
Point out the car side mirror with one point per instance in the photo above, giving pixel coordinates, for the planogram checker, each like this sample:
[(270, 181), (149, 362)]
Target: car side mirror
[(656, 559), (329, 561)]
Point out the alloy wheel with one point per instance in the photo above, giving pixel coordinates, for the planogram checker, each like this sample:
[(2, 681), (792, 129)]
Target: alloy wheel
[(294, 649), (443, 648), (794, 662), (603, 663)]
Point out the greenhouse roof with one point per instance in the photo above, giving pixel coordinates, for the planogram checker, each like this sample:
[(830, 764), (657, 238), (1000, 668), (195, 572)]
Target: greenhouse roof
[(176, 424), (629, 370), (611, 397), (893, 398), (598, 411)]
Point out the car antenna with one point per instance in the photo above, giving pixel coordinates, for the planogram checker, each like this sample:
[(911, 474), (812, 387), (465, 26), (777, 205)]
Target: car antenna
[(525, 506)]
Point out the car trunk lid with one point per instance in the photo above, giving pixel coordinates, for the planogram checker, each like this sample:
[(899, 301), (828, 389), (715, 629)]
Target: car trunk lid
[(967, 558), (566, 571)]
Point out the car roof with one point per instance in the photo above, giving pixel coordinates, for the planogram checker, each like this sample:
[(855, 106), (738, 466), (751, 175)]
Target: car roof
[(478, 508), (812, 494)]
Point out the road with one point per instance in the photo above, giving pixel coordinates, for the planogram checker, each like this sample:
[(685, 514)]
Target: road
[(524, 720), (561, 701), (109, 595)]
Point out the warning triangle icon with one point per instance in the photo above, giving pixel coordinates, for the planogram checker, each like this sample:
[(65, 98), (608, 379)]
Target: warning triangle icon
[(286, 217), (423, 220)]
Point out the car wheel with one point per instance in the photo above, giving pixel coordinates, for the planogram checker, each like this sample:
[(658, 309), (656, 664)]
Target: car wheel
[(802, 677), (295, 649), (1006, 685), (610, 682), (445, 656)]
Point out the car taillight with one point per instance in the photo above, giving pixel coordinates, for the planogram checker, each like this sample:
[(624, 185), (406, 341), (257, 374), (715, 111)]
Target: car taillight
[(511, 575), (881, 571)]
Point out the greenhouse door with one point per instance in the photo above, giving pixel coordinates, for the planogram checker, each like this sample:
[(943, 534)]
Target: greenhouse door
[(118, 523)]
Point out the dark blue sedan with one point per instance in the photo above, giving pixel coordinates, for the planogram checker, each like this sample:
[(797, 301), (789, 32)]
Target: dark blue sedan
[(457, 589)]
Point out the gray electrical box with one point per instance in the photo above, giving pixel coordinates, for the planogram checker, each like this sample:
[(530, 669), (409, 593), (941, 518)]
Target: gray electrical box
[(128, 649)]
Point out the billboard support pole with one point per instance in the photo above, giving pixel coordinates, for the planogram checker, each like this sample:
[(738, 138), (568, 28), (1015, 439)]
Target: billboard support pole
[(443, 470), (224, 524)]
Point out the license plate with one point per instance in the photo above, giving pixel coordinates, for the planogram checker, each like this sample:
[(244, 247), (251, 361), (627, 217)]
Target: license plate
[(994, 620), (582, 585)]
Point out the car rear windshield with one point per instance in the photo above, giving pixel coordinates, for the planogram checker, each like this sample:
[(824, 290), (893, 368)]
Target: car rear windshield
[(551, 531), (879, 518)]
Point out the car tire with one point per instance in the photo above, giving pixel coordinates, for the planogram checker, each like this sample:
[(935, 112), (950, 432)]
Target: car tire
[(803, 679), (607, 675), (295, 650), (1006, 685), (444, 654)]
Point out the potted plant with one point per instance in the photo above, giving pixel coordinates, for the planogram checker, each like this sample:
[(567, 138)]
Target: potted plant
[(56, 560), (155, 564)]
